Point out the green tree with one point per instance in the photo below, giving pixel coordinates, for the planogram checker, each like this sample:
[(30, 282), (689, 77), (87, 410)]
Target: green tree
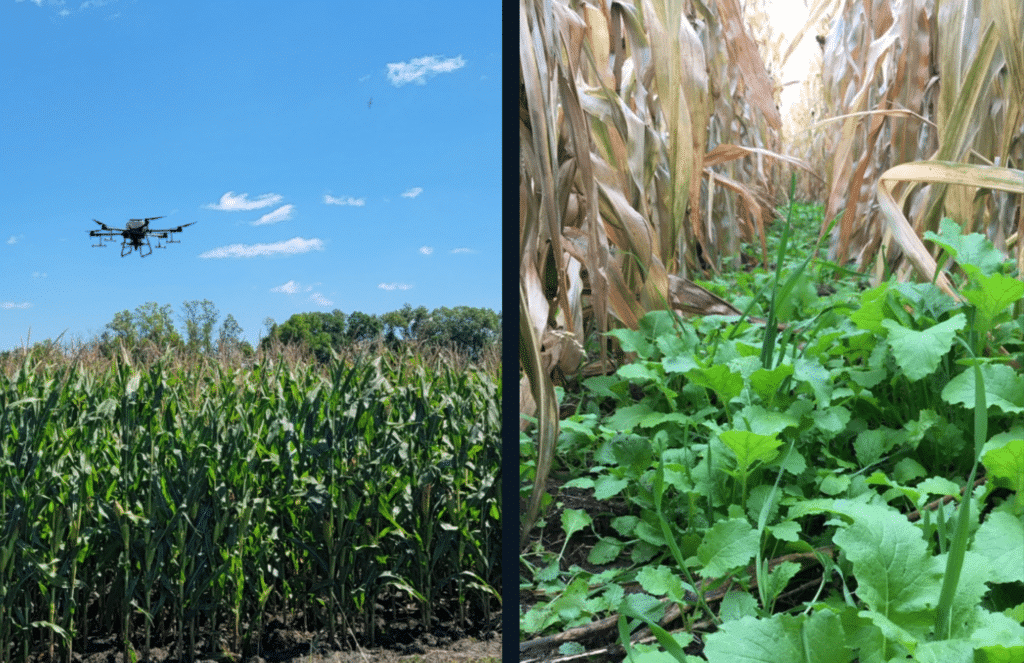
[(122, 327), (200, 318), (317, 331), (230, 336), (337, 326), (363, 327), (465, 328), (269, 331), (148, 322), (403, 324), (156, 324)]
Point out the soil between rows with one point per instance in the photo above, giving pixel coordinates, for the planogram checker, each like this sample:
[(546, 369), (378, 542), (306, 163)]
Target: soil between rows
[(399, 641)]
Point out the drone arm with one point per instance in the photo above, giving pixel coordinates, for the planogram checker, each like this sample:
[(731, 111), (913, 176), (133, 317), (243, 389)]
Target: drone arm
[(172, 230)]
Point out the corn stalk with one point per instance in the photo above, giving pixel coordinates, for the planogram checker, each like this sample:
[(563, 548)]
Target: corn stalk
[(642, 125)]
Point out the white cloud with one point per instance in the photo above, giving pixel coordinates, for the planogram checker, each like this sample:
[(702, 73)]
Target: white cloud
[(232, 203), (394, 286), (291, 288), (13, 305), (62, 8), (320, 299), (463, 250), (426, 250), (418, 70), (39, 275), (292, 246), (413, 192), (282, 213), (355, 202), (12, 240)]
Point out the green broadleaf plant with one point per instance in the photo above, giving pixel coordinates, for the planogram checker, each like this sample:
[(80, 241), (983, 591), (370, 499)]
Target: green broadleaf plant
[(874, 410)]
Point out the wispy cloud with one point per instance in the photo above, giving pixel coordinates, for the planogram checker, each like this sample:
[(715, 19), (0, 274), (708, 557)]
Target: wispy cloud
[(355, 202), (418, 70), (364, 78), (426, 250), (291, 288), (394, 286), (292, 246), (413, 192), (14, 305), (320, 299), (39, 275), (12, 240), (62, 8), (282, 213), (463, 250), (229, 202)]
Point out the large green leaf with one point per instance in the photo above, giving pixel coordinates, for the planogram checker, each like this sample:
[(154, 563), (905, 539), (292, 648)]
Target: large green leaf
[(972, 250), (818, 638), (1004, 388), (728, 545), (895, 572), (918, 353), (1000, 539), (750, 448)]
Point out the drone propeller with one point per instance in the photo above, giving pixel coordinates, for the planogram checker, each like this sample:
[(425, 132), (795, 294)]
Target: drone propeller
[(178, 229), (102, 225)]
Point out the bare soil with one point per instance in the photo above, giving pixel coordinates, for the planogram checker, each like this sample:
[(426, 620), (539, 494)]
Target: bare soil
[(402, 640)]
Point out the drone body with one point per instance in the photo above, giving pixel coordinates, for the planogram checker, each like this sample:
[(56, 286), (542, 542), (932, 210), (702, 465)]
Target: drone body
[(135, 235)]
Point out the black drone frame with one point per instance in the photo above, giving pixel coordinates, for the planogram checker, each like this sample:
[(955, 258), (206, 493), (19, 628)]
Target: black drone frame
[(136, 235)]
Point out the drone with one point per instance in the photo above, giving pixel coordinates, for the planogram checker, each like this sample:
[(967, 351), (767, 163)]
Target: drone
[(136, 235)]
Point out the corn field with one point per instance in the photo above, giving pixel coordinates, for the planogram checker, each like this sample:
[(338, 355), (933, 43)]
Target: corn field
[(172, 504)]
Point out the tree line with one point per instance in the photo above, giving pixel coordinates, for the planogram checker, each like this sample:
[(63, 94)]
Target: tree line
[(464, 328)]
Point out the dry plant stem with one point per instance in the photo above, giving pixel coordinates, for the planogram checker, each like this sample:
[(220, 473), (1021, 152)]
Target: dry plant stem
[(672, 611), (643, 637), (946, 499)]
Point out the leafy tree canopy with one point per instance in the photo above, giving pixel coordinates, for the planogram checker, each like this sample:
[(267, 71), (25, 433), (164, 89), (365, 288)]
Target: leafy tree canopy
[(465, 328)]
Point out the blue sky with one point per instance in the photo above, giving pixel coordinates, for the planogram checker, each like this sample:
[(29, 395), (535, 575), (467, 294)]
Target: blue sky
[(253, 120)]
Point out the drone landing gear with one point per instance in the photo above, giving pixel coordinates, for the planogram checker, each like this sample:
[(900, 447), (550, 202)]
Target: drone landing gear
[(127, 248), (170, 240)]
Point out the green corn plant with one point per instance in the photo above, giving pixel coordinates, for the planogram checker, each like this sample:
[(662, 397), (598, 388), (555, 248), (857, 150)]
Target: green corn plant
[(174, 498)]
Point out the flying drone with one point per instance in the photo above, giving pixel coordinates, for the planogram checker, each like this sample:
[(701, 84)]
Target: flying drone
[(135, 235)]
